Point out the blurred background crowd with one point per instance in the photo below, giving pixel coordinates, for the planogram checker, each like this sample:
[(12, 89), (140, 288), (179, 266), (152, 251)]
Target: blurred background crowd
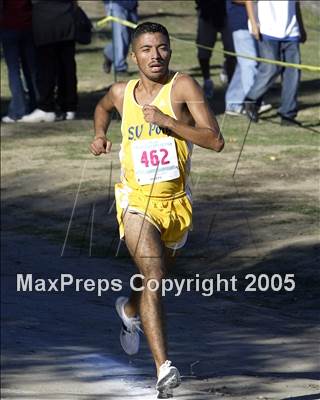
[(38, 39)]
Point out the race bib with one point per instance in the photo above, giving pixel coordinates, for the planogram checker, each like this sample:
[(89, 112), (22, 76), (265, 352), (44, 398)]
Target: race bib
[(155, 160)]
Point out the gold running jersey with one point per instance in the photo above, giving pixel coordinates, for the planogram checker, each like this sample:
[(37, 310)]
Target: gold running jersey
[(153, 162)]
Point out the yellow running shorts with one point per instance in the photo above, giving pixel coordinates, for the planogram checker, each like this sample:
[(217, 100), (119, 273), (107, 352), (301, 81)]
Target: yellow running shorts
[(172, 217)]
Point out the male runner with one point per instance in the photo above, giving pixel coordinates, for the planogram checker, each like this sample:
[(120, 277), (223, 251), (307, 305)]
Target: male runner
[(163, 114)]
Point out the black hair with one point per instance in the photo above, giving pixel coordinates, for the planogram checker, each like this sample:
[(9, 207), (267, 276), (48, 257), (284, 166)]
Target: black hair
[(149, 27)]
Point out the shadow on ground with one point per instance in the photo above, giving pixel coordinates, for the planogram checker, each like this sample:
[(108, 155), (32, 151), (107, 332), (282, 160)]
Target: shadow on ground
[(225, 325), (50, 339)]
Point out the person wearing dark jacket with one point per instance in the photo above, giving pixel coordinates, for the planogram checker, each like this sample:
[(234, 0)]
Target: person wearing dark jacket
[(19, 54), (54, 35), (212, 19)]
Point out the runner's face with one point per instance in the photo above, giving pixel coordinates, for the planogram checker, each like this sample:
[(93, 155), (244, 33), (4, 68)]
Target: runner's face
[(152, 54)]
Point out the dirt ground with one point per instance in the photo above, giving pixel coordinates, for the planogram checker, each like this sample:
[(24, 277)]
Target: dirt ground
[(65, 345)]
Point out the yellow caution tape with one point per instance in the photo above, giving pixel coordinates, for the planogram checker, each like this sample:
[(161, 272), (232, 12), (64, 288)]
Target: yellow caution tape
[(104, 21), (311, 68)]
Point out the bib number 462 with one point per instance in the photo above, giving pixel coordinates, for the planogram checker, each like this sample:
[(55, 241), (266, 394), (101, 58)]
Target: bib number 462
[(155, 157)]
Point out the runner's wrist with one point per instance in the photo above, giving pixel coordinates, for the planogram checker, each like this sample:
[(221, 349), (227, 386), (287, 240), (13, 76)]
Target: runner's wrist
[(100, 135), (169, 123)]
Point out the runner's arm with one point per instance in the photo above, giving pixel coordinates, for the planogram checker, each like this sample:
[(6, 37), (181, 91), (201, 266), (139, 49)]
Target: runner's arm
[(206, 132), (102, 118)]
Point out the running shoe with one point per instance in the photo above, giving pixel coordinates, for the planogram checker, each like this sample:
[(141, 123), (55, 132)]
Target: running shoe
[(264, 108), (252, 110), (169, 378), (9, 120), (235, 112), (70, 115), (165, 394), (130, 330), (39, 116)]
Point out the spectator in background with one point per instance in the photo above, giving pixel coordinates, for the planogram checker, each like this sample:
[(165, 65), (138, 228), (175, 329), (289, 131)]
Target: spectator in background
[(212, 19), (54, 35), (19, 52), (121, 35), (246, 69), (279, 28)]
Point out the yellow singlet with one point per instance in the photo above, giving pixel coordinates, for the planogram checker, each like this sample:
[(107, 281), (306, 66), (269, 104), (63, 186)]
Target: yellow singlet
[(154, 169)]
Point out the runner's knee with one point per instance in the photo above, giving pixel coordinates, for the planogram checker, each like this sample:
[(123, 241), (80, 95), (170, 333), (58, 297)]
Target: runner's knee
[(155, 275)]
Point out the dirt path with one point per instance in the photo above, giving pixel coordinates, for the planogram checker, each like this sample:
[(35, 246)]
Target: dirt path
[(65, 345)]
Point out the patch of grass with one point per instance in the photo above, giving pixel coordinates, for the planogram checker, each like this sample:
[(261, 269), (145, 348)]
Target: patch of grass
[(305, 209), (266, 133), (302, 151)]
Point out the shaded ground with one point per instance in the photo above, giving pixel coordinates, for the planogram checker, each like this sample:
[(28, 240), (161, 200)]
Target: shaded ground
[(65, 345)]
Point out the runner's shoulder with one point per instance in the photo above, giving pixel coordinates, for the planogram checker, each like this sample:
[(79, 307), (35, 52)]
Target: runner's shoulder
[(116, 90), (185, 79), (185, 83)]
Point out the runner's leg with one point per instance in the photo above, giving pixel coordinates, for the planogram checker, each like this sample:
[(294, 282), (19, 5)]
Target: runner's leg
[(144, 244), (133, 305), (132, 308)]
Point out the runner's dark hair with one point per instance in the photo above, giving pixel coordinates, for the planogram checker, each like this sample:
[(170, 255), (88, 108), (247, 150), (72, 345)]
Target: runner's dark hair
[(149, 27)]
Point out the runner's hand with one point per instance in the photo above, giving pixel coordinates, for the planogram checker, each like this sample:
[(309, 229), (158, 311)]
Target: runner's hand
[(100, 145), (153, 115)]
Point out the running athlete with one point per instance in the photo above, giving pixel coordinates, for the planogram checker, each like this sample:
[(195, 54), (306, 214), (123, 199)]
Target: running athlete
[(163, 115)]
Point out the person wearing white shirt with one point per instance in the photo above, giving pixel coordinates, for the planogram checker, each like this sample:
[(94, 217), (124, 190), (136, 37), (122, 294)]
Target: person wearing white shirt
[(278, 27)]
